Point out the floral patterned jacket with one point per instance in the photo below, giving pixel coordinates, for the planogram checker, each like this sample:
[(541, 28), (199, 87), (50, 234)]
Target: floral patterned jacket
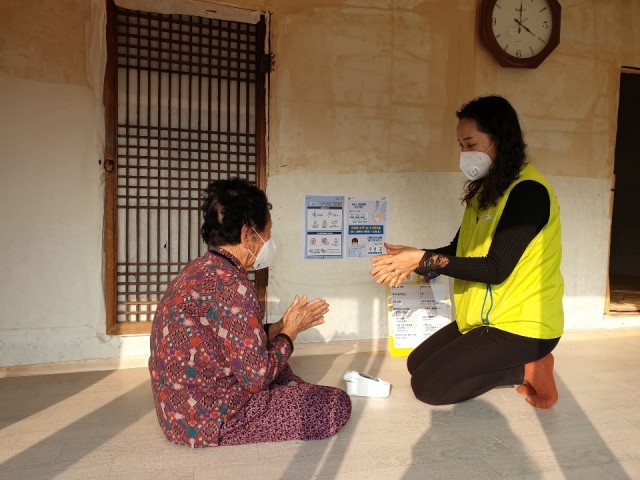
[(209, 349)]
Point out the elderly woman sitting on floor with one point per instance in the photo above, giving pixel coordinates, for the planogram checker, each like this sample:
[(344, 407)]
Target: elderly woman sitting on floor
[(219, 375)]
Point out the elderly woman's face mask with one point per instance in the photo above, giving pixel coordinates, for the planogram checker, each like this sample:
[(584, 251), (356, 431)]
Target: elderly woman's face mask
[(265, 255)]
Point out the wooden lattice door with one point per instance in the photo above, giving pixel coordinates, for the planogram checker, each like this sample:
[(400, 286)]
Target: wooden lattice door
[(184, 100)]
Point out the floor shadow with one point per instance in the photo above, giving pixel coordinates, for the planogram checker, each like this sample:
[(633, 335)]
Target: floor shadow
[(29, 395), (323, 458), (473, 439), (454, 447), (65, 447), (575, 440)]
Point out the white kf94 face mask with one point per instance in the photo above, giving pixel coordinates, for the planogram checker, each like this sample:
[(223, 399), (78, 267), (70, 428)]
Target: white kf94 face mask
[(266, 254), (475, 165)]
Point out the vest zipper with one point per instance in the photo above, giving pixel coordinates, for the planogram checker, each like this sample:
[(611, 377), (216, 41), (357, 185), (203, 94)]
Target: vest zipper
[(488, 292)]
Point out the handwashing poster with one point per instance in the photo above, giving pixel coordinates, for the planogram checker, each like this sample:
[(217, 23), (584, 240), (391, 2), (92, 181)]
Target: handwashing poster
[(354, 227), (339, 228), (366, 226), (324, 226)]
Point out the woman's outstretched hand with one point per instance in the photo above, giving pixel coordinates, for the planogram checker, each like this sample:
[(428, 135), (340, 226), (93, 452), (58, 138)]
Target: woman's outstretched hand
[(303, 314), (397, 264)]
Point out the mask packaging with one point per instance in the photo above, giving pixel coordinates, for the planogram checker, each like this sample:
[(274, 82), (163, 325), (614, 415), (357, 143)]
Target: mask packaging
[(362, 385)]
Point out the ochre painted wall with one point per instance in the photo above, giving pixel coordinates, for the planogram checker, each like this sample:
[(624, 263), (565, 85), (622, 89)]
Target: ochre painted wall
[(44, 40)]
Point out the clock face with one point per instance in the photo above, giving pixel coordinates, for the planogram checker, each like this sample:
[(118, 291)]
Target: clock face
[(522, 28)]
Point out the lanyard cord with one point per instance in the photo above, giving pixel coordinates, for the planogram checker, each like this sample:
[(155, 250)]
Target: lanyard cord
[(488, 292)]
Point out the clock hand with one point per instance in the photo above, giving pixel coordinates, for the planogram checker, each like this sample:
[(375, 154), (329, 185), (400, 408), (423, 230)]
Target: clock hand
[(524, 26), (519, 22)]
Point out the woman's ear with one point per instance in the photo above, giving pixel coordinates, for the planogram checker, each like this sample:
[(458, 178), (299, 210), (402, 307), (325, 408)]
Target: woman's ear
[(246, 235)]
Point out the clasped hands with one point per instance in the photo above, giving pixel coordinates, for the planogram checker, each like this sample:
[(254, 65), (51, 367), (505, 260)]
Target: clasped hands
[(390, 268), (301, 315), (397, 264)]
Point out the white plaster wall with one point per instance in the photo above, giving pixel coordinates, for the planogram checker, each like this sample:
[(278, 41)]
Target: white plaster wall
[(585, 212), (51, 228), (420, 208), (424, 211)]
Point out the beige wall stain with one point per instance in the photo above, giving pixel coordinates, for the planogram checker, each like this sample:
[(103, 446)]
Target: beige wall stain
[(44, 40), (355, 88), (372, 86)]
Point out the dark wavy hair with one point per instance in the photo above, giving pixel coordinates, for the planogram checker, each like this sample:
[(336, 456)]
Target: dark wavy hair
[(495, 116), (228, 205)]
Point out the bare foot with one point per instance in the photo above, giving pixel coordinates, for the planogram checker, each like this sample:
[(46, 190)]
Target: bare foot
[(525, 389), (540, 388)]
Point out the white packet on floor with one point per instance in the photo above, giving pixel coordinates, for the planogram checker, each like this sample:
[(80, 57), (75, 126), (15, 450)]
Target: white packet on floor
[(362, 385)]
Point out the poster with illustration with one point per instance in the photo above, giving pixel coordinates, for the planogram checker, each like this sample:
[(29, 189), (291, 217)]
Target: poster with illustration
[(324, 223), (366, 218)]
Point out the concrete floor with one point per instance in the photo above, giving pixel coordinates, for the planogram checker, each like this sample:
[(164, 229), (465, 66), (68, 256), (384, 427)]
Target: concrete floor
[(101, 424)]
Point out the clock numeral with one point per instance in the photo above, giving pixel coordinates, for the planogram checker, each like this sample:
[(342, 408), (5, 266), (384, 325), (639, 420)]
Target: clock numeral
[(493, 21), (545, 25), (519, 53)]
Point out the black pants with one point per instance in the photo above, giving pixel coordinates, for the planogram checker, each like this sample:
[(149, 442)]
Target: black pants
[(449, 367)]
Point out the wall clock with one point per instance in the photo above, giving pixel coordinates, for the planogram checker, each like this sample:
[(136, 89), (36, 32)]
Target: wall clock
[(520, 33)]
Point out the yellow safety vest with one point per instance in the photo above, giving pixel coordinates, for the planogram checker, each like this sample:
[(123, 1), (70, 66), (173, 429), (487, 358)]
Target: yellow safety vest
[(529, 301)]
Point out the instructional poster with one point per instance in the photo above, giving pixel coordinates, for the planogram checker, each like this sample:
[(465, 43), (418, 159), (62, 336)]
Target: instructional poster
[(324, 220), (417, 310), (366, 218)]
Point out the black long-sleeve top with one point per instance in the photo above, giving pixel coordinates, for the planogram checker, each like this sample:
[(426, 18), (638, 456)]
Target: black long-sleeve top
[(525, 214)]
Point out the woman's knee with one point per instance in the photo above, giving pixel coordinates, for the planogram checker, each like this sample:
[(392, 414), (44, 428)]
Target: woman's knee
[(343, 404), (413, 363), (334, 411), (427, 393), (334, 401)]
